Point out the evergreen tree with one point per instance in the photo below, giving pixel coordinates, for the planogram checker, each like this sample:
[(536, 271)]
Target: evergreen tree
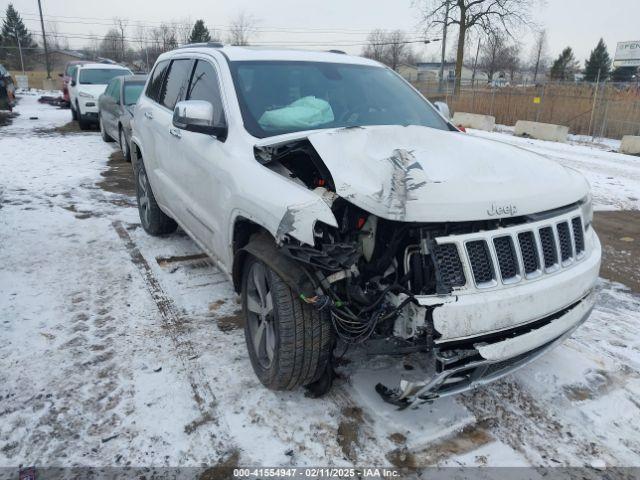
[(200, 33), (564, 67), (13, 26), (598, 60)]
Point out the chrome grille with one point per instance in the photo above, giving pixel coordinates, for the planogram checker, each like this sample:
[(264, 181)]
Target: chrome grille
[(566, 248), (507, 259), (549, 250), (449, 265), (578, 235), (530, 258), (511, 255), (480, 260)]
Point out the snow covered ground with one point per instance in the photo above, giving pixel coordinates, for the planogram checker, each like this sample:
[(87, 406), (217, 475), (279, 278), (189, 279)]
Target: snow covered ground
[(122, 349)]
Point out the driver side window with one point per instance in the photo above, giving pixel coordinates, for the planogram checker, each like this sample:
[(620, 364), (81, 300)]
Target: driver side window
[(204, 86)]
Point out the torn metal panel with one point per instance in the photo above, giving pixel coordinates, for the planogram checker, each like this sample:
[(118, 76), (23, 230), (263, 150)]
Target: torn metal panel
[(421, 174), (298, 220)]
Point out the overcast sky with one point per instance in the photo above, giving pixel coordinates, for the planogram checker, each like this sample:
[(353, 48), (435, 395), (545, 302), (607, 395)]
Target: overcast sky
[(336, 23)]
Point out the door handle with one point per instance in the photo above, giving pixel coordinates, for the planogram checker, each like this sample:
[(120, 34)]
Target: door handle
[(175, 132), (148, 115)]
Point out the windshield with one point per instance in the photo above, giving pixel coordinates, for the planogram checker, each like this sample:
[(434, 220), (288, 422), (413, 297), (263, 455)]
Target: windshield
[(279, 97), (100, 76), (132, 92)]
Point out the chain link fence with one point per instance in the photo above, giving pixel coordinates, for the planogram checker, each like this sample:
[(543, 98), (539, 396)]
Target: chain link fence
[(609, 110)]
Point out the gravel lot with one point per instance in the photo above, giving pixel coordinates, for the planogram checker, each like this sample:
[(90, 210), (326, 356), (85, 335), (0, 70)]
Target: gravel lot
[(122, 349)]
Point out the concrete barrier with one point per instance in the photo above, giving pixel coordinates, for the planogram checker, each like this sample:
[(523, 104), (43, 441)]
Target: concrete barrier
[(630, 144), (50, 84), (541, 131), (474, 120)]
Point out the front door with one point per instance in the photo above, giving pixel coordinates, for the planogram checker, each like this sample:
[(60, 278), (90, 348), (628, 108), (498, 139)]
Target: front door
[(198, 164)]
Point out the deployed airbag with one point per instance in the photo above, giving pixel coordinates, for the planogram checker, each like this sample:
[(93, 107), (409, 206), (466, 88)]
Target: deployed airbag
[(306, 112)]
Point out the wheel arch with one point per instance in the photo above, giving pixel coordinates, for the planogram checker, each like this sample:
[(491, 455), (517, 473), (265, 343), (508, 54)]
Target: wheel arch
[(252, 239)]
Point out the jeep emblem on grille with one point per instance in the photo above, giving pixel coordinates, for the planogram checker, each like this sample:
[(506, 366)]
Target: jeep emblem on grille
[(502, 210)]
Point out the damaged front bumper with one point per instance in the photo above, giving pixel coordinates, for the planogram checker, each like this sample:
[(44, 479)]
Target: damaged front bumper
[(490, 360), (484, 336)]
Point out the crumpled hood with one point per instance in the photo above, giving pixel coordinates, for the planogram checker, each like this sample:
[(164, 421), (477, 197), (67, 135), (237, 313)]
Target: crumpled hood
[(421, 174)]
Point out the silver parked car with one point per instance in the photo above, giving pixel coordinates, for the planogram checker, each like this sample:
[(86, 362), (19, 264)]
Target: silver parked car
[(115, 109)]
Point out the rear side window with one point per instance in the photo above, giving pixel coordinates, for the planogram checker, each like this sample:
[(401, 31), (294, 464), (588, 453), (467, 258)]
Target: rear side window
[(110, 88), (176, 82), (204, 86), (155, 83)]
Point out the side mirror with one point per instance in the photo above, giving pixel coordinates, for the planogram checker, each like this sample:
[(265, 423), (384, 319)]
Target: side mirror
[(197, 116), (73, 83), (443, 108)]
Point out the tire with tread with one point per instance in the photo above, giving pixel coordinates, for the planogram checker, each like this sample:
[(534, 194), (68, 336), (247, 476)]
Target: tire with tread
[(124, 146), (82, 123), (103, 133), (154, 221), (304, 336)]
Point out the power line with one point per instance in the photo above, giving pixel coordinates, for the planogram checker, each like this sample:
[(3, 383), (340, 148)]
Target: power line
[(151, 24)]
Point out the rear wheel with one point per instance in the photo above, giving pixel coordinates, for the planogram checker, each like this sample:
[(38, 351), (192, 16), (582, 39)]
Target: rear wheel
[(154, 221), (124, 146), (290, 343), (103, 133)]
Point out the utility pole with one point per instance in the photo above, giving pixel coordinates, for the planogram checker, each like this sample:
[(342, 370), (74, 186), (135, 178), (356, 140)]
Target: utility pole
[(444, 47), (44, 42), (475, 66), (595, 97), (19, 49)]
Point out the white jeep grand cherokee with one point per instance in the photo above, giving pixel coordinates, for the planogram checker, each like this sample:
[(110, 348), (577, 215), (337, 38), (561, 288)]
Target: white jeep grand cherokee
[(346, 209)]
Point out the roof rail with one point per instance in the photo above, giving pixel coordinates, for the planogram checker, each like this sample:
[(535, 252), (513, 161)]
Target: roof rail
[(203, 44), (337, 51)]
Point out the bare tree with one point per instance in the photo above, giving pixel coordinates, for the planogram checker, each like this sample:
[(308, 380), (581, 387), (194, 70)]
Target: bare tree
[(242, 28), (491, 59), (111, 45), (539, 54), (183, 30), (391, 48), (512, 62), (397, 48), (55, 40), (376, 48), (486, 15), (121, 25), (142, 40)]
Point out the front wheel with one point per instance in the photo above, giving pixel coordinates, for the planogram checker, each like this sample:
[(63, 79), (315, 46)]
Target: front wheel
[(154, 221), (290, 343)]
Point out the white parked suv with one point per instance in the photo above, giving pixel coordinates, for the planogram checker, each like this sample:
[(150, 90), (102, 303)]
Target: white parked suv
[(347, 210), (88, 83)]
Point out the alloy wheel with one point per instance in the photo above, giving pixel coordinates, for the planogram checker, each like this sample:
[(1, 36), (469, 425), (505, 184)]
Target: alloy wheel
[(260, 316), (123, 145), (143, 197)]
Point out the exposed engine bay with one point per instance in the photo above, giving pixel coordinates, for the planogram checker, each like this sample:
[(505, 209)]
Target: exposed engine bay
[(380, 280)]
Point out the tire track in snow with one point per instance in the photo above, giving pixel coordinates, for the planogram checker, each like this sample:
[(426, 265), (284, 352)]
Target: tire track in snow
[(185, 351)]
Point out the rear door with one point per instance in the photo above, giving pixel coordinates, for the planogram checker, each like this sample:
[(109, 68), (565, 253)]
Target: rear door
[(109, 106), (168, 137), (151, 137)]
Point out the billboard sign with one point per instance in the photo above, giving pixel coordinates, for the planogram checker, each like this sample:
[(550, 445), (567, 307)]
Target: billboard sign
[(627, 54)]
